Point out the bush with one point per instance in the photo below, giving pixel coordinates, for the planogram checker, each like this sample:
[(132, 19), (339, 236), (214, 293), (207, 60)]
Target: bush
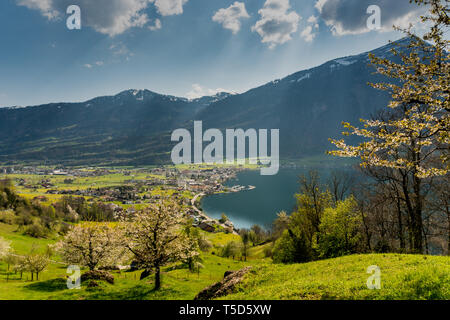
[(7, 217), (223, 218), (64, 228), (23, 219), (204, 245), (292, 247), (231, 249), (268, 253), (98, 275), (36, 231), (340, 230)]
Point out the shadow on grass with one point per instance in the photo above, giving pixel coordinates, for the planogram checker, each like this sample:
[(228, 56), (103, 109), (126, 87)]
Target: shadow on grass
[(48, 286), (138, 292)]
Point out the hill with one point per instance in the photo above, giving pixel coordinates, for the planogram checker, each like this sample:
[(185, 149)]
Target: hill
[(403, 277), (308, 106), (178, 283), (129, 125)]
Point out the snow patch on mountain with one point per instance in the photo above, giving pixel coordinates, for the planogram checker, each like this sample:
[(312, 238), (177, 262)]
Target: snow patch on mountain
[(306, 76), (344, 62)]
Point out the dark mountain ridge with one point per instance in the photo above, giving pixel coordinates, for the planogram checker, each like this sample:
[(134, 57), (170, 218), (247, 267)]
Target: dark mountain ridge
[(134, 126)]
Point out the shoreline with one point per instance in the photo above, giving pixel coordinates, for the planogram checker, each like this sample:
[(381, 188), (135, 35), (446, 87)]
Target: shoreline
[(200, 196), (207, 218)]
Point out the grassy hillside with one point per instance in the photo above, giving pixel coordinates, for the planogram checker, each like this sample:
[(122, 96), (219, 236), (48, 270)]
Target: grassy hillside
[(402, 277), (177, 283)]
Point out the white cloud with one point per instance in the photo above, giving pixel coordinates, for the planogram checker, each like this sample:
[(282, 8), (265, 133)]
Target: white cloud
[(169, 7), (121, 51), (111, 17), (314, 21), (44, 6), (92, 65), (350, 16), (199, 91), (307, 34), (277, 22), (230, 18), (319, 4), (156, 26)]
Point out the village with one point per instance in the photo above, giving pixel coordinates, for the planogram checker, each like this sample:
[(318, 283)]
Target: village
[(138, 187)]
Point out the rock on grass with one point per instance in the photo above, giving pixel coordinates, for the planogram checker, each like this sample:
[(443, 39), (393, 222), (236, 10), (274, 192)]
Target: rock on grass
[(224, 287)]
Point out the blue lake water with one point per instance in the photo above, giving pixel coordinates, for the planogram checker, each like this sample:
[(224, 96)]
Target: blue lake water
[(260, 205)]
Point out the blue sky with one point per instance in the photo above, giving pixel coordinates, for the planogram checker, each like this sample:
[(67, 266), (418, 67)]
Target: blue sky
[(180, 47)]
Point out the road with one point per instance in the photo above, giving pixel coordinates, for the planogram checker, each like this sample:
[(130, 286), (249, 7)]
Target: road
[(199, 212)]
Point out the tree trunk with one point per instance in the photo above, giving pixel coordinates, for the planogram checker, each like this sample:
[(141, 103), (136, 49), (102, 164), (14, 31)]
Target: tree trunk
[(418, 223), (415, 214), (400, 224), (157, 278), (366, 229)]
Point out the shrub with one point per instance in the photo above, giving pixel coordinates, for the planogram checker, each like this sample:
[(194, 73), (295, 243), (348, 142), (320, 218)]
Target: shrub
[(231, 249), (7, 217), (23, 219), (268, 253), (292, 247), (223, 218), (204, 245), (340, 230), (64, 228), (36, 231), (98, 275)]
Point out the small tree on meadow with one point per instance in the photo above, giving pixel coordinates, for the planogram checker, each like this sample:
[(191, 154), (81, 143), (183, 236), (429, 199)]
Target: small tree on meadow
[(232, 249), (246, 236), (35, 262), (190, 253), (19, 264), (155, 237), (92, 245), (4, 248)]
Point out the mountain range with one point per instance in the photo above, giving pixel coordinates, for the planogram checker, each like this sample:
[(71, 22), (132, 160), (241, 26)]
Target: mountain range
[(134, 126)]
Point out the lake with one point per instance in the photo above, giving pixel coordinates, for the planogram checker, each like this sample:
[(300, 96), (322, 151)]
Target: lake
[(260, 205)]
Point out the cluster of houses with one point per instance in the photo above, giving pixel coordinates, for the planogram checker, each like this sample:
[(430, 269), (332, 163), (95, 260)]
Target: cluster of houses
[(135, 191), (48, 171)]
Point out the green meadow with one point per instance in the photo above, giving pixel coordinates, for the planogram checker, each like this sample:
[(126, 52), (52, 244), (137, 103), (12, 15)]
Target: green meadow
[(402, 277)]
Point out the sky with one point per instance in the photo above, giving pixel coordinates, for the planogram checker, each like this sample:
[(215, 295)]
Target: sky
[(186, 48)]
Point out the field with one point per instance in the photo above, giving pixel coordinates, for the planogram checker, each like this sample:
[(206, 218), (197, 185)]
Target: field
[(403, 277), (78, 183), (176, 283)]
